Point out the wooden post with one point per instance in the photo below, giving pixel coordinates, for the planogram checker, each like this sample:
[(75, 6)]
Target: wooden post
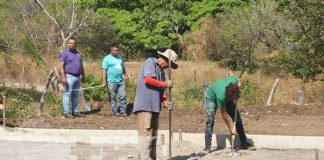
[(180, 135), (301, 97), (4, 111), (259, 78), (22, 77), (272, 92), (316, 154), (162, 139), (194, 76)]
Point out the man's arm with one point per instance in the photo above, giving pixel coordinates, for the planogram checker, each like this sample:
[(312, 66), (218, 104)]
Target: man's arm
[(124, 73), (82, 73), (228, 121), (63, 73), (104, 76)]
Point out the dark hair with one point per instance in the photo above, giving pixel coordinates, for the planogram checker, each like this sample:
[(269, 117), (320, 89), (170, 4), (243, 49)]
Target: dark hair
[(72, 38), (114, 46), (233, 91)]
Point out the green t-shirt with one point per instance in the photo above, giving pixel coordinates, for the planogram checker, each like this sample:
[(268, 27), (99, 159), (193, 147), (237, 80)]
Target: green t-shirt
[(216, 91)]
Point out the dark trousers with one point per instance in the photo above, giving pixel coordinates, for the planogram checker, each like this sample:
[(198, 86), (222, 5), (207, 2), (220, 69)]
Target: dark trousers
[(230, 108), (211, 113)]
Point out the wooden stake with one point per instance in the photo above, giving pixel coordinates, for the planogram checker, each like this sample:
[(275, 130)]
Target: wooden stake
[(162, 139), (180, 135), (316, 154), (4, 111)]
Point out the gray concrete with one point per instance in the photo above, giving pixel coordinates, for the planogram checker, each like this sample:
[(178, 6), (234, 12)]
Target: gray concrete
[(121, 137)]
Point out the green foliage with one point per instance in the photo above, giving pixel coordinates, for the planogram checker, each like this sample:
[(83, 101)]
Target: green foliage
[(33, 52), (209, 8), (248, 93), (53, 104), (97, 94), (143, 25), (131, 88), (97, 38), (190, 95), (19, 106), (234, 40), (304, 57)]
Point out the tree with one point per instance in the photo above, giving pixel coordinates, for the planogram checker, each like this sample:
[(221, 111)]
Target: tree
[(77, 18), (145, 26), (304, 57)]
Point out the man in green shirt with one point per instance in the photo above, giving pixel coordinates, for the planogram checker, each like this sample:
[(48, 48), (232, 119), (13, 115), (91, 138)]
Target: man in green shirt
[(222, 94)]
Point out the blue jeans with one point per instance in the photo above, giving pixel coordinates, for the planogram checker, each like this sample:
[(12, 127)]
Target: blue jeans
[(73, 82), (117, 89)]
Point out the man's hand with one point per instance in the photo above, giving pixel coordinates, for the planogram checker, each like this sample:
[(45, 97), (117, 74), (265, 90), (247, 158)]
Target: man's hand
[(233, 131), (125, 76), (170, 84), (104, 83), (165, 104), (64, 81)]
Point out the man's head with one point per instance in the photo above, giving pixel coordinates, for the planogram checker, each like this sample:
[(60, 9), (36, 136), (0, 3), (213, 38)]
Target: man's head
[(233, 92), (164, 59), (114, 50), (72, 43)]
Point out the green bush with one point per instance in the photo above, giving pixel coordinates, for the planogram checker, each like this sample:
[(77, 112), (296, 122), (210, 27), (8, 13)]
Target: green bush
[(249, 93), (54, 103), (19, 106), (190, 96), (131, 88), (96, 94)]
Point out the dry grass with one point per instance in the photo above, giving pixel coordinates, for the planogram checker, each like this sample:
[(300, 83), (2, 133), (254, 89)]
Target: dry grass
[(287, 91)]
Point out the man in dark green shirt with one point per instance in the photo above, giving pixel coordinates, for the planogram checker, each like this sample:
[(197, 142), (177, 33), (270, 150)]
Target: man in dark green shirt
[(222, 94)]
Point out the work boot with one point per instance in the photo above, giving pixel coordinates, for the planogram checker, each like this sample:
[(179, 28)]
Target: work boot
[(115, 114), (123, 115), (78, 114), (207, 149), (248, 146), (67, 115)]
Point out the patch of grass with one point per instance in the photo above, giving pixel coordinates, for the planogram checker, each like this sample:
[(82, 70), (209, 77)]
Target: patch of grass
[(19, 106), (190, 95)]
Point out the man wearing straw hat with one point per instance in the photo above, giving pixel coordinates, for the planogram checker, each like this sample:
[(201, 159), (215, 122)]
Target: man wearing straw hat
[(149, 95)]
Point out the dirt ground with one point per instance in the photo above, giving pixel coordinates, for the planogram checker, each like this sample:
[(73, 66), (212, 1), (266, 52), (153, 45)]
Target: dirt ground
[(266, 120)]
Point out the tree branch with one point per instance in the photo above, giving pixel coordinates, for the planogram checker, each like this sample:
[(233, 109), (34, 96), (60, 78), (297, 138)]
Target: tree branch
[(43, 8)]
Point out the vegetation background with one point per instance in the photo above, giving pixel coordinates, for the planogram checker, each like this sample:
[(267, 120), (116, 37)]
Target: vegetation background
[(263, 40)]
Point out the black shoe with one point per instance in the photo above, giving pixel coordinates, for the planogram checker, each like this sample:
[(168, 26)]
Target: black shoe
[(68, 115), (248, 146), (123, 115), (78, 114), (115, 114), (207, 149)]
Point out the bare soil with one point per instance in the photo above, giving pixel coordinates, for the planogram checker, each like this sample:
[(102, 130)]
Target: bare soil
[(266, 120)]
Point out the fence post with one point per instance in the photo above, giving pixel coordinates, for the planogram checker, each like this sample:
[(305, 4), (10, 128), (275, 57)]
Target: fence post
[(4, 111), (194, 79), (274, 86), (205, 91), (301, 97)]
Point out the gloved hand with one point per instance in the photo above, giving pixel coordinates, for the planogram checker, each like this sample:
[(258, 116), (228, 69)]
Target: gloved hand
[(170, 84)]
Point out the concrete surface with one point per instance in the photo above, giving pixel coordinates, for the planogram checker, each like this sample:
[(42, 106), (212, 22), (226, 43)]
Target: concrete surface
[(74, 144), (130, 137)]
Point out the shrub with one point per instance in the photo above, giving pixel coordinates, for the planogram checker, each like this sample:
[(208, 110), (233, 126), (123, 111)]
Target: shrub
[(20, 106), (96, 94)]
